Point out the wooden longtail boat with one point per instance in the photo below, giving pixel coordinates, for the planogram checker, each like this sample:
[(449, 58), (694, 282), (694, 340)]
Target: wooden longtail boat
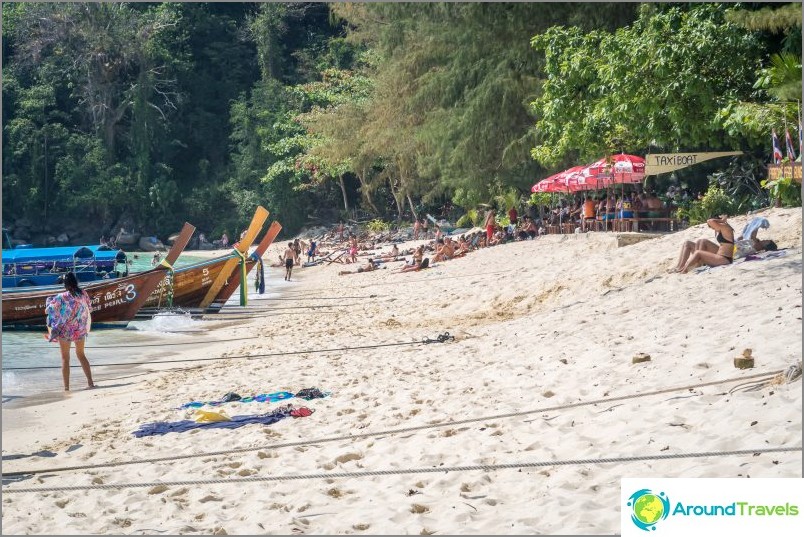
[(192, 283), (114, 302), (251, 262), (233, 264)]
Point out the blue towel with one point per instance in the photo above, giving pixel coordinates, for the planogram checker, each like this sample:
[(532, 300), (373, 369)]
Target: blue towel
[(754, 225), (164, 427), (261, 398)]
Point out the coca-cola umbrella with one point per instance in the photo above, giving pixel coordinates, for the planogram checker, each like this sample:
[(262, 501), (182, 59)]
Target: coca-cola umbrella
[(620, 168), (560, 182)]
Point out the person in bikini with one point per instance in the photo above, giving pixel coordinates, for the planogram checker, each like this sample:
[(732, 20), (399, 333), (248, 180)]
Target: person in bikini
[(368, 267), (423, 264), (290, 259), (705, 252)]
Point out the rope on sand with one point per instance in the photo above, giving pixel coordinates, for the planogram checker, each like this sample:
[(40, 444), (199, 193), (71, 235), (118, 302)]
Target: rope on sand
[(388, 432), (791, 374), (439, 339), (405, 471), (200, 342)]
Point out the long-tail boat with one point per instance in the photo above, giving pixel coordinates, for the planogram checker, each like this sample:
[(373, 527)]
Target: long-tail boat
[(114, 302), (191, 284), (251, 262)]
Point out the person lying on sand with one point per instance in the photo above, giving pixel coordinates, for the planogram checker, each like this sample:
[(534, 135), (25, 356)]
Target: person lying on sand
[(749, 244), (390, 256), (706, 252), (368, 267), (425, 263)]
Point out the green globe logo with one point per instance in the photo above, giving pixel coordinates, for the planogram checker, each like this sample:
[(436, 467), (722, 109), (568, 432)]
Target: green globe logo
[(648, 508)]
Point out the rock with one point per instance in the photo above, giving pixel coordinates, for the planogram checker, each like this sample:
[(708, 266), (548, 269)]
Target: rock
[(741, 362), (127, 239), (151, 244), (22, 233), (50, 241), (63, 238), (640, 357), (23, 222), (172, 238), (747, 353)]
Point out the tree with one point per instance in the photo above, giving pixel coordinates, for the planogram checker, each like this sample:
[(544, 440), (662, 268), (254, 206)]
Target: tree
[(660, 82)]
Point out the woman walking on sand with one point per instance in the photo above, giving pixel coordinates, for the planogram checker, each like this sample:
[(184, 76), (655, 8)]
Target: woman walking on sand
[(69, 317)]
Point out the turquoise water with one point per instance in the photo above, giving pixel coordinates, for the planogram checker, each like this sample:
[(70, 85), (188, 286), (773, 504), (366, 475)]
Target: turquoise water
[(30, 349), (141, 261)]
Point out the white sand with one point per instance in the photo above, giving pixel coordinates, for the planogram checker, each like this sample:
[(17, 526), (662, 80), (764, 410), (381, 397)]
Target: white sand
[(538, 324)]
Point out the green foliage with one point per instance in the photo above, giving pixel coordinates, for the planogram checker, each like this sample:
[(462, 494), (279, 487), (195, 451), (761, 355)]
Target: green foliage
[(714, 203), (201, 111), (472, 218), (782, 78), (507, 200), (540, 199), (785, 190), (378, 226), (659, 82)]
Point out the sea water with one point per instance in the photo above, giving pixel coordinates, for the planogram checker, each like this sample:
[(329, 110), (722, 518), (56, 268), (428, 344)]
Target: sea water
[(30, 349)]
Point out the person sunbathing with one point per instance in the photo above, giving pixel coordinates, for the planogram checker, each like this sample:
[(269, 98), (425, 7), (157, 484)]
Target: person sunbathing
[(446, 251), (368, 267), (418, 255), (706, 252), (425, 263), (749, 244), (390, 256)]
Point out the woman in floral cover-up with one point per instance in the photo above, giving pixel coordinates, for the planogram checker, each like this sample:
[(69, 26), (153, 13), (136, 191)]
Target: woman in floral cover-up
[(69, 319)]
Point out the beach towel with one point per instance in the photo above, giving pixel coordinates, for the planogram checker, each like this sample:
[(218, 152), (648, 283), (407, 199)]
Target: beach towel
[(765, 255), (311, 393), (164, 427), (261, 398), (755, 224)]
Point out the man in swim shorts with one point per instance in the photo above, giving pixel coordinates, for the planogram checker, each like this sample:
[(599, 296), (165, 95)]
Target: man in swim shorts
[(290, 258)]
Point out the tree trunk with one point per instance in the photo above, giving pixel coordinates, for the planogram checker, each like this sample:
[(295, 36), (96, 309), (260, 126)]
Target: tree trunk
[(412, 209), (366, 191), (399, 207), (343, 191)]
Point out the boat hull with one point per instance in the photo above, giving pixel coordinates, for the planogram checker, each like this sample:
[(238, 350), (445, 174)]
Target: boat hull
[(113, 301), (190, 284)]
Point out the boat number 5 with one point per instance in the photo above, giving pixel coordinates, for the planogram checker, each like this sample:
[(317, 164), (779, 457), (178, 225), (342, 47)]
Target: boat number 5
[(131, 294)]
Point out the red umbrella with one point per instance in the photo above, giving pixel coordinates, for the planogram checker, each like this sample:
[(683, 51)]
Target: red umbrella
[(557, 182), (620, 168)]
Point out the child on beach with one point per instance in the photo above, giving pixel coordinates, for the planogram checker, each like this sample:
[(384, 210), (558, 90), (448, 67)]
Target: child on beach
[(69, 319), (311, 251)]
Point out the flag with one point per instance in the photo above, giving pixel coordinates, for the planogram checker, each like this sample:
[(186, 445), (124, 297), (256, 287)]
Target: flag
[(791, 154), (777, 153)]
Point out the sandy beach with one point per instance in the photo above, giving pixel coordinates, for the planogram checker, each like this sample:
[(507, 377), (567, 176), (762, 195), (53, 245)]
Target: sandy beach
[(538, 325)]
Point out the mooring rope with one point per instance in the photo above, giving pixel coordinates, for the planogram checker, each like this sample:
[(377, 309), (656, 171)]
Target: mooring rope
[(426, 341), (200, 342), (404, 471), (402, 430)]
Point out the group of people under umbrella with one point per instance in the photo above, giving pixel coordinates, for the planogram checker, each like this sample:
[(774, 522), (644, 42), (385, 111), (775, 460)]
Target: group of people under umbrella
[(604, 174)]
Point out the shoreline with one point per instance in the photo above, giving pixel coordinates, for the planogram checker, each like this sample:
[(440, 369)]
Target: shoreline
[(540, 327)]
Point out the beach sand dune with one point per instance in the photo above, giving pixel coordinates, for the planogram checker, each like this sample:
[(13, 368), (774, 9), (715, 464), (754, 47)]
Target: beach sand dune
[(544, 329)]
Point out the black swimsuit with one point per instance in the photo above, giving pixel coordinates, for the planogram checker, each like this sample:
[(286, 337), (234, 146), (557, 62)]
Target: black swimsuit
[(723, 240)]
